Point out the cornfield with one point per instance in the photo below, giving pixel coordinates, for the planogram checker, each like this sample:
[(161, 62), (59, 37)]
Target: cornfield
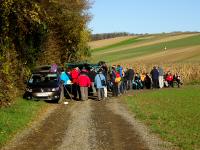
[(188, 71)]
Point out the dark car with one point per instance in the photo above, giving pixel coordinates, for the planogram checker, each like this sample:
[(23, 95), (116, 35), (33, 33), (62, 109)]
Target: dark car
[(45, 85)]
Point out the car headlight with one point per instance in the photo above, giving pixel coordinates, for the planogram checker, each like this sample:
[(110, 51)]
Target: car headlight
[(55, 89), (29, 90)]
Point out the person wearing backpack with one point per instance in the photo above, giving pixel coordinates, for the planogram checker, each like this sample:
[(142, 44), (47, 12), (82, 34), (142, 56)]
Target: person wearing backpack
[(100, 83)]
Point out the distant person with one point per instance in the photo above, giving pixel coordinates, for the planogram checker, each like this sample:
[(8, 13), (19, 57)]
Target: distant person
[(148, 81), (177, 78), (160, 78), (169, 79), (154, 75), (142, 77), (130, 76)]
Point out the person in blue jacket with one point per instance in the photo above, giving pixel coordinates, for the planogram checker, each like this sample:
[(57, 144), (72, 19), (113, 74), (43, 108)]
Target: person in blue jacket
[(155, 74), (66, 80), (64, 77), (100, 83)]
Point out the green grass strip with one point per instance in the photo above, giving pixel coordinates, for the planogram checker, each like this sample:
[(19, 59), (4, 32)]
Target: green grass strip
[(173, 113), (15, 118), (144, 50), (119, 44)]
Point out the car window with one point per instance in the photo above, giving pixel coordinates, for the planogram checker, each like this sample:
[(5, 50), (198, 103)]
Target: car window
[(43, 78)]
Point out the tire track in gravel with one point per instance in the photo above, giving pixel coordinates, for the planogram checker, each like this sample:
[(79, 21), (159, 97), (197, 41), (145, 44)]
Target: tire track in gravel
[(79, 128), (86, 125), (112, 131), (48, 134)]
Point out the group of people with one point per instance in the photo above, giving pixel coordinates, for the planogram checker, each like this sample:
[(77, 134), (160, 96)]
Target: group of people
[(157, 79), (115, 79), (81, 82)]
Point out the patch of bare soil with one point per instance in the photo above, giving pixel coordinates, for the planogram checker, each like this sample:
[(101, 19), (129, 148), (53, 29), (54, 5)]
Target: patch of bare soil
[(87, 125)]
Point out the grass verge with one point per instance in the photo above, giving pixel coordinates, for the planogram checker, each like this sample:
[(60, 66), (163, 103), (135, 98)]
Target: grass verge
[(17, 117), (172, 113)]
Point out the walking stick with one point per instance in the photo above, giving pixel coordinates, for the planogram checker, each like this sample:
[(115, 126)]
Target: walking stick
[(68, 93)]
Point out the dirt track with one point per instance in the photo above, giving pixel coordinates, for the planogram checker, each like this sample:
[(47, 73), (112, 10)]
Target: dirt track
[(95, 125)]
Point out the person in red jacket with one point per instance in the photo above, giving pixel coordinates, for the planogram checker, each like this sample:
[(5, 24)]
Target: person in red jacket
[(170, 79), (84, 82), (75, 88)]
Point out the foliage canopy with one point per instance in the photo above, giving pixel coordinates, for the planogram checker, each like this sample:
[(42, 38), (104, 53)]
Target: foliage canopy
[(36, 32)]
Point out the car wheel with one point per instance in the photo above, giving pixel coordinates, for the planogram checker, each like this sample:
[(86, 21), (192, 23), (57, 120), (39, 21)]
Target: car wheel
[(27, 96), (60, 100)]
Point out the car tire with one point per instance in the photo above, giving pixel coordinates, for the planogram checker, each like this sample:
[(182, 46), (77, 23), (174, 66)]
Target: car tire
[(60, 100)]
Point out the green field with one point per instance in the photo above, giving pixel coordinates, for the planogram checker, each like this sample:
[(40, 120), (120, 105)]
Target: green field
[(172, 113), (16, 118), (120, 44), (113, 56)]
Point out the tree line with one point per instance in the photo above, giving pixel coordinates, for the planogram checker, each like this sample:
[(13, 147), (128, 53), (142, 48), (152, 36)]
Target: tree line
[(35, 32), (101, 36)]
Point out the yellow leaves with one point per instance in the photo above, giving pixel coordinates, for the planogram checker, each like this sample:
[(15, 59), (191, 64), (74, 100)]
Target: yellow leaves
[(35, 16)]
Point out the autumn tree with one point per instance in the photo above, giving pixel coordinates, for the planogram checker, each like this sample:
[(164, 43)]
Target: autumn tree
[(21, 32), (67, 33), (36, 32)]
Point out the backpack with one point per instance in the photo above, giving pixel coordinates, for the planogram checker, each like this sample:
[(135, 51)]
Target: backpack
[(118, 78)]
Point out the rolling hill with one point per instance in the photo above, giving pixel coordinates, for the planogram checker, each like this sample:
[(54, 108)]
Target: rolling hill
[(160, 48), (178, 52)]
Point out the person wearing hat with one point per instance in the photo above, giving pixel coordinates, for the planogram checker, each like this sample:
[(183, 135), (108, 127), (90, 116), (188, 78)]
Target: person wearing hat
[(100, 83)]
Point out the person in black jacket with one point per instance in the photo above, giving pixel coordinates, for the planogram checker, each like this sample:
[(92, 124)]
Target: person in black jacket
[(92, 75), (129, 77), (147, 81), (155, 75)]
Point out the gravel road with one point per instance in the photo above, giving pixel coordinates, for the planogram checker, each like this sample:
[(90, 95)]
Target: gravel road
[(87, 125)]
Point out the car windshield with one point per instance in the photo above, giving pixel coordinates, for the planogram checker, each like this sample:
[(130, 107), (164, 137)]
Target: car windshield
[(43, 78)]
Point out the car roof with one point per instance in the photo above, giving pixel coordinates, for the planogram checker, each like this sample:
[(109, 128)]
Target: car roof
[(44, 69)]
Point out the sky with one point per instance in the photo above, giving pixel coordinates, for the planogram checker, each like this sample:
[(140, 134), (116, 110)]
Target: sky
[(144, 16)]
